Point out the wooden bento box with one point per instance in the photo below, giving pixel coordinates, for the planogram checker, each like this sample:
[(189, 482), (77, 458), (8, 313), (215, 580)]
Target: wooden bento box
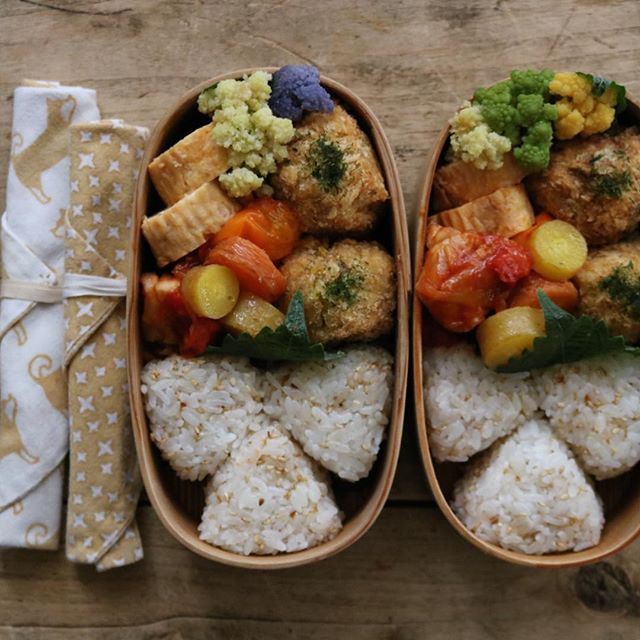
[(178, 503), (620, 495)]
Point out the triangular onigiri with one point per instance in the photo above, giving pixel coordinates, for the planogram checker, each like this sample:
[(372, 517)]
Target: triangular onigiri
[(594, 405), (338, 411), (268, 497), (200, 408), (528, 494)]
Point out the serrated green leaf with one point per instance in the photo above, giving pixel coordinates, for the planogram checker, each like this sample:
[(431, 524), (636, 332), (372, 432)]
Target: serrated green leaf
[(290, 341), (567, 339), (600, 84)]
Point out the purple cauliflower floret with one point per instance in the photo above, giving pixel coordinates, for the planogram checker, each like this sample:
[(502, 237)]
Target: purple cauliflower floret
[(296, 89)]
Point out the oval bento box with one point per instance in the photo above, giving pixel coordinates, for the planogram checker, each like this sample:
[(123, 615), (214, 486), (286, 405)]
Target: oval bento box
[(621, 495), (178, 503)]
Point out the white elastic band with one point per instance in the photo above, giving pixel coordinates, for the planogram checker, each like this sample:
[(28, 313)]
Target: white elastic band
[(31, 291), (75, 285)]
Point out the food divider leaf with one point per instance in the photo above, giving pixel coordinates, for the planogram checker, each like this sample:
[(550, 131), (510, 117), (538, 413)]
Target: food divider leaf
[(290, 341), (599, 85), (567, 339)]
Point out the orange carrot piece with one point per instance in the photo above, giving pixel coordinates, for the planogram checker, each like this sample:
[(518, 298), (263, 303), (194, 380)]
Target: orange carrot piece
[(563, 293), (252, 266), (522, 238), (266, 222)]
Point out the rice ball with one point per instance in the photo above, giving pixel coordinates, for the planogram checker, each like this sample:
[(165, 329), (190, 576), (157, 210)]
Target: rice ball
[(594, 405), (268, 498), (528, 494), (200, 408), (469, 406), (339, 410)]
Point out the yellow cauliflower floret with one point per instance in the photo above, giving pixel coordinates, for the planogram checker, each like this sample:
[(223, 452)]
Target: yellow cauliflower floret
[(600, 119), (569, 125), (473, 141), (586, 106), (244, 124), (579, 111), (570, 85)]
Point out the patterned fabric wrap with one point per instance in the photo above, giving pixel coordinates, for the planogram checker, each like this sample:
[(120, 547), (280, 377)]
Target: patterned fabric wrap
[(33, 420), (104, 482)]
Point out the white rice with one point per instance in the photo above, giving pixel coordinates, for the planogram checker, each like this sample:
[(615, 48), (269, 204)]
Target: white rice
[(337, 410), (594, 405), (470, 406), (528, 494), (200, 408), (267, 498)]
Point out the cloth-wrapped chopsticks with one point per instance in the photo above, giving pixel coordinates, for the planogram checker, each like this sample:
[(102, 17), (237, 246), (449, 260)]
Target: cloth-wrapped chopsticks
[(104, 482), (33, 421)]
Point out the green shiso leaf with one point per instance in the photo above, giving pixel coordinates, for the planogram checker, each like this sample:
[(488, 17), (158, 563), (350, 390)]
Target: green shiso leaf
[(600, 84), (567, 339), (290, 341)]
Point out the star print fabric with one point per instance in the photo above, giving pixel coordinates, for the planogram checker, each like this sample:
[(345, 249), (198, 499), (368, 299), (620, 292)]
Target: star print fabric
[(104, 482)]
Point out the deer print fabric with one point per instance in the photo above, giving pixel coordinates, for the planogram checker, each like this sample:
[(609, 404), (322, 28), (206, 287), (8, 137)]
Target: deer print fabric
[(33, 395)]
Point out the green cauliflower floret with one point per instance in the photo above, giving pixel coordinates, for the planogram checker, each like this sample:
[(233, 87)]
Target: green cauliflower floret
[(503, 119), (534, 152), (532, 108), (499, 93), (531, 81)]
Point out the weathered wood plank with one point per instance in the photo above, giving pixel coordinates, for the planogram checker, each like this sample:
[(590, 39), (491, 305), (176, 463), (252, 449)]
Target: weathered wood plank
[(412, 61), (409, 577)]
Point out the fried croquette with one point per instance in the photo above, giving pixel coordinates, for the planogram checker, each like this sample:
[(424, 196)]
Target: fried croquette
[(349, 288), (594, 184), (609, 286), (332, 178)]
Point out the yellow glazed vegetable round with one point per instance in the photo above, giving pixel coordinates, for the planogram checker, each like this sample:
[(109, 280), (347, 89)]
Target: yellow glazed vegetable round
[(210, 291), (558, 249), (508, 333)]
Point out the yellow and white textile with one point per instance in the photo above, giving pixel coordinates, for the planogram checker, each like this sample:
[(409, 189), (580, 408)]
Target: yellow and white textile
[(104, 482), (33, 421)]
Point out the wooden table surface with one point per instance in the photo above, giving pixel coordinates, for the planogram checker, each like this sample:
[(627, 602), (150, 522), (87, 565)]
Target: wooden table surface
[(413, 61)]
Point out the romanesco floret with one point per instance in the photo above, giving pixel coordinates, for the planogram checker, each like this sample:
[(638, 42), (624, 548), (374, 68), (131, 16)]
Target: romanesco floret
[(579, 110), (296, 90), (530, 81), (499, 93), (473, 141), (532, 108), (535, 151), (244, 124), (503, 119)]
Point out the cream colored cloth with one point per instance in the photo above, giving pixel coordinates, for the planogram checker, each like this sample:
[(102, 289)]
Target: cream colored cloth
[(33, 421), (104, 482)]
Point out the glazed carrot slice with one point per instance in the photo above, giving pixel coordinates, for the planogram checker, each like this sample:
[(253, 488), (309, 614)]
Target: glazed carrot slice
[(523, 237), (268, 223), (252, 266), (563, 293)]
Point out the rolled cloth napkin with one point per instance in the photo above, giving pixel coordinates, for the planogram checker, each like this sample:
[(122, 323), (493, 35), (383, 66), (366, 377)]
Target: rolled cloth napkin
[(104, 482), (33, 421)]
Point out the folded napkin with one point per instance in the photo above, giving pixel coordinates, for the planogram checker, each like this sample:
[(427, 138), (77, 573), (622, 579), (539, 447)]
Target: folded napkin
[(33, 422), (104, 482)]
